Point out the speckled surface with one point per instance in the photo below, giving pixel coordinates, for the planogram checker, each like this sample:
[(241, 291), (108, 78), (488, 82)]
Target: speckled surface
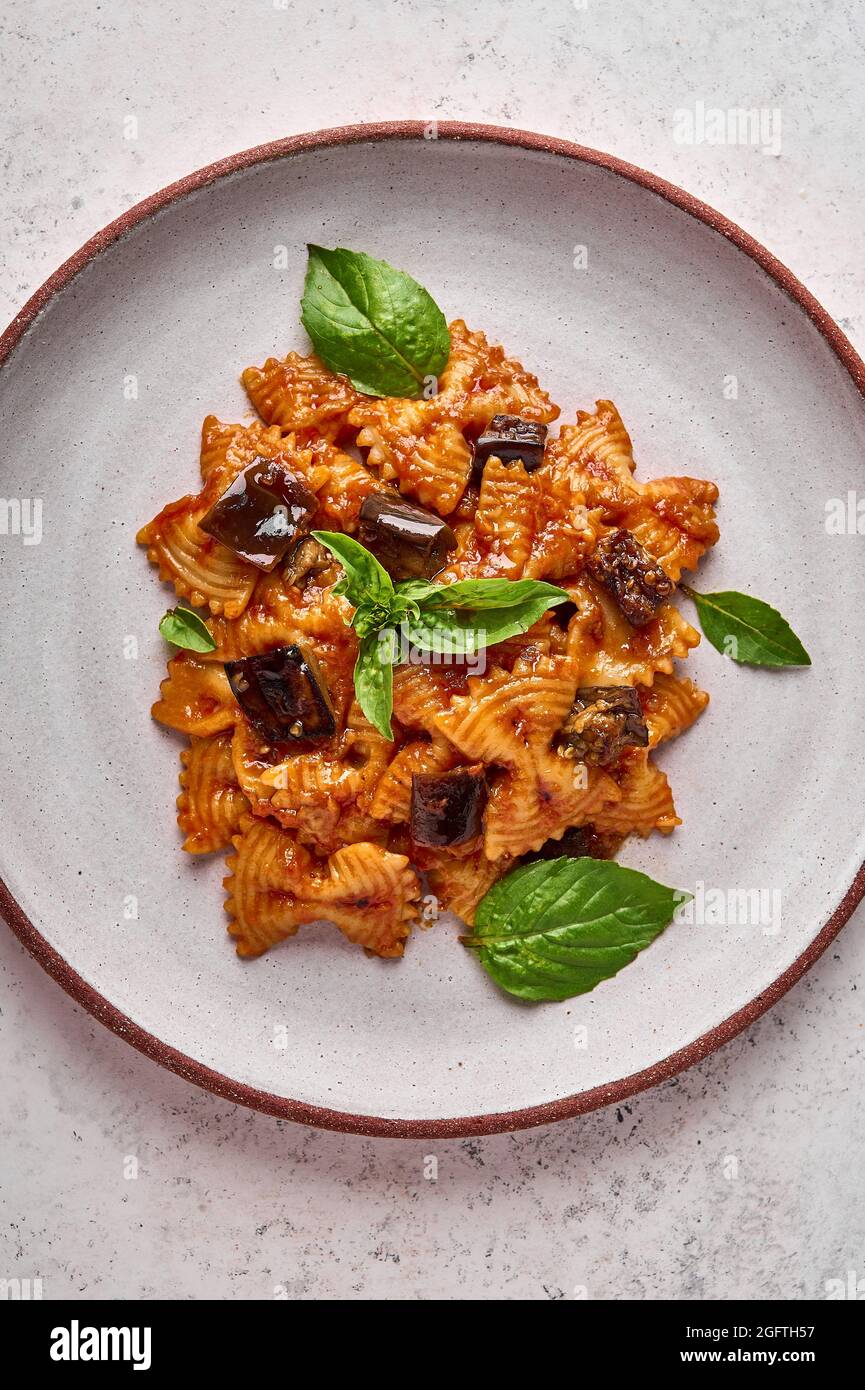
[(733, 1180)]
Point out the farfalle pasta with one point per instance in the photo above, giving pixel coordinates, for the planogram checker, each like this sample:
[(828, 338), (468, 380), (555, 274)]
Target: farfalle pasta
[(542, 741)]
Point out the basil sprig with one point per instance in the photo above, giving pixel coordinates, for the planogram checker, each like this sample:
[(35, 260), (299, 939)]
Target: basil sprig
[(373, 323), (448, 620), (183, 628), (747, 629), (556, 928)]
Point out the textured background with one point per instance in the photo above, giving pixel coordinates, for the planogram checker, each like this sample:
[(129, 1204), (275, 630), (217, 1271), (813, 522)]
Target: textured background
[(733, 1180)]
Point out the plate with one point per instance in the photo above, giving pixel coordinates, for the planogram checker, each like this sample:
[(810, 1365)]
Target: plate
[(608, 283)]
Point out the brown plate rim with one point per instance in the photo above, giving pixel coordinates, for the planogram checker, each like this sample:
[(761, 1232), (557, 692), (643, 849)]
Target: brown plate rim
[(502, 1121)]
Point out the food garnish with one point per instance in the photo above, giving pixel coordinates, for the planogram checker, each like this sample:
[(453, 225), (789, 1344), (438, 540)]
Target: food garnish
[(183, 628)]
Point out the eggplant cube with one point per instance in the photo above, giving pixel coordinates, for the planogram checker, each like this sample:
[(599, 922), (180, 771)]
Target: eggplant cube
[(633, 576), (283, 695), (262, 512), (510, 437), (447, 809), (604, 720), (409, 541)]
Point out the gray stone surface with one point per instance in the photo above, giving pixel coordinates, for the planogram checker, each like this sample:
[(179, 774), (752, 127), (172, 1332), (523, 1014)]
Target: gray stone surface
[(739, 1178)]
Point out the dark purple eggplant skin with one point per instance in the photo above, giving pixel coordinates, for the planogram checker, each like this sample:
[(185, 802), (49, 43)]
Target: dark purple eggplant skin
[(603, 720), (633, 576), (261, 514), (447, 808), (283, 695), (409, 541), (510, 437)]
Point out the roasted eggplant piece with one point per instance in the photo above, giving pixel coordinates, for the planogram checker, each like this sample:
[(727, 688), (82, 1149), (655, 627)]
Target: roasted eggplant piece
[(447, 809), (306, 558), (410, 542), (581, 841), (261, 513), (510, 437), (604, 720), (283, 695), (633, 577)]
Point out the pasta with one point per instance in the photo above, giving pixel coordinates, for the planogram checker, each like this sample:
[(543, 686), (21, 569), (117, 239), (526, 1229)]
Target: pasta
[(322, 829), (211, 805)]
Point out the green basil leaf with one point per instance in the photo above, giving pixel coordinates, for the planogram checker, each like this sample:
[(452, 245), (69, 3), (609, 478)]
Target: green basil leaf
[(747, 629), (418, 590), (493, 593), (369, 617), (373, 323), (463, 631), (365, 580), (373, 679), (556, 928), (183, 628), (403, 604)]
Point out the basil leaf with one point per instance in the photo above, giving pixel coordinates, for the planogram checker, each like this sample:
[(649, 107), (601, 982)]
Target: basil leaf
[(747, 629), (417, 590), (462, 631), (369, 617), (373, 323), (556, 928), (373, 679), (493, 593), (183, 628), (365, 580)]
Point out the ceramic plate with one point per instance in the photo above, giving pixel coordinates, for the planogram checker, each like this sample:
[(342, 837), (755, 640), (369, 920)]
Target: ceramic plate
[(723, 367)]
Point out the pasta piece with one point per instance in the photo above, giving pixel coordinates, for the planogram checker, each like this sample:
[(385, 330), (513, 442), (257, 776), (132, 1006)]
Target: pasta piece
[(408, 444), (421, 444), (202, 571), (459, 884), (372, 895), (341, 493), (196, 698), (646, 802), (275, 885), (675, 521), (323, 793), (299, 393), (525, 525), (265, 867), (611, 652), (347, 768), (670, 706), (227, 449), (481, 381), (211, 805), (509, 720), (506, 518), (531, 805), (565, 531), (422, 693), (673, 518), (597, 453)]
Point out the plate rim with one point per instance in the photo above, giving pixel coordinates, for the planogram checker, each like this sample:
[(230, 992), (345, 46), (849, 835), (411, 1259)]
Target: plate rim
[(581, 1102)]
